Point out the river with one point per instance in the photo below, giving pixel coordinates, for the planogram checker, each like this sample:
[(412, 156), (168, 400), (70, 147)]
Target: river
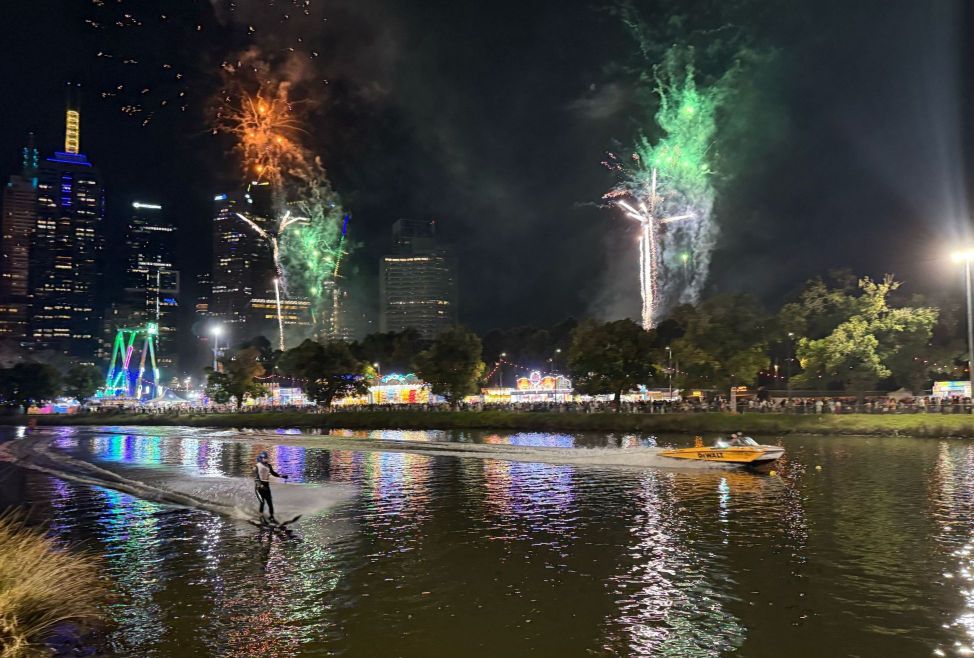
[(419, 554)]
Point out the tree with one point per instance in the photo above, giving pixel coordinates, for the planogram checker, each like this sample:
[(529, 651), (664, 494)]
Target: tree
[(452, 365), (874, 343), (268, 356), (328, 371), (238, 378), (820, 307), (218, 386), (723, 342), (81, 382), (611, 358), (29, 382), (393, 351)]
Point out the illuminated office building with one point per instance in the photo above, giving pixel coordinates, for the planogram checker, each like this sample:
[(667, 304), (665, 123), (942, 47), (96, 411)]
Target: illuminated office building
[(16, 230), (62, 272), (151, 281), (417, 284), (243, 294)]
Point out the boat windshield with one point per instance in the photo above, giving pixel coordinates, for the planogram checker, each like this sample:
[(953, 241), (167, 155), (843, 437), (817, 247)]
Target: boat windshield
[(736, 442)]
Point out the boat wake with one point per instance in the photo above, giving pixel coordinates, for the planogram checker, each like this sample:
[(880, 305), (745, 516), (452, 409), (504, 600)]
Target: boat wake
[(229, 496)]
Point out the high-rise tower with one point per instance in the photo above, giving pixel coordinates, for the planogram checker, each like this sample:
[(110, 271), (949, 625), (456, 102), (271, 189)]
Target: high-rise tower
[(62, 272), (418, 284), (150, 278), (246, 289), (236, 252), (19, 217)]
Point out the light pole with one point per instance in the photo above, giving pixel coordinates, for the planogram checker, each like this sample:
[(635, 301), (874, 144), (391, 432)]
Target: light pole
[(669, 368), (966, 257), (791, 352), (378, 370), (501, 371), (217, 331)]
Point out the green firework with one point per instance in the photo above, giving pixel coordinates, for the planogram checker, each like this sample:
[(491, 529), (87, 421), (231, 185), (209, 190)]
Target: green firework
[(682, 156), (311, 249), (679, 157)]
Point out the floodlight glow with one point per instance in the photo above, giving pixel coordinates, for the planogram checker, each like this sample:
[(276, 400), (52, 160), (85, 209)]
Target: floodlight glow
[(961, 256)]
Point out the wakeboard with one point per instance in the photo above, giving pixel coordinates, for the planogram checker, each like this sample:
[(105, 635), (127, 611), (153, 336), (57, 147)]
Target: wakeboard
[(266, 524)]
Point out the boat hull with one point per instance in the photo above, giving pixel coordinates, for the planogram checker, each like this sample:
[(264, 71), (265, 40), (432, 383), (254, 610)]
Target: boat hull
[(743, 455)]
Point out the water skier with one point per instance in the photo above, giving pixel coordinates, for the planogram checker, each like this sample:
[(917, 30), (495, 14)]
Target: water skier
[(262, 484)]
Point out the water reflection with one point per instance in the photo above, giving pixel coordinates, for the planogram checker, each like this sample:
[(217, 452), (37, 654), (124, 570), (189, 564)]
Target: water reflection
[(526, 499), (952, 496), (669, 594), (440, 556)]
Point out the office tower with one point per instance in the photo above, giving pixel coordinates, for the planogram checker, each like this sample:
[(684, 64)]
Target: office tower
[(16, 230), (151, 282), (245, 294), (236, 251), (353, 321), (417, 285), (62, 272), (204, 292)]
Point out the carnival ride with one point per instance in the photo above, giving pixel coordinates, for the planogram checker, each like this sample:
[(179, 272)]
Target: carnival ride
[(126, 381)]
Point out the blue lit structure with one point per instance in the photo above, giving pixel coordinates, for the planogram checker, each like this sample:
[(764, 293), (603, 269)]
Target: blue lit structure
[(124, 380)]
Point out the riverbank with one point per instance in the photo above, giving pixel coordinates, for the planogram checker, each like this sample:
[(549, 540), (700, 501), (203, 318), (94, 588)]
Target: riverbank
[(920, 425)]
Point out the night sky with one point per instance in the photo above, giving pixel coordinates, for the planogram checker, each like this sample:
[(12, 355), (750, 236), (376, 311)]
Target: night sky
[(493, 117)]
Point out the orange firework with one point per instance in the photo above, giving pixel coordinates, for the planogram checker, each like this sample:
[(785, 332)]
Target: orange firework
[(264, 125)]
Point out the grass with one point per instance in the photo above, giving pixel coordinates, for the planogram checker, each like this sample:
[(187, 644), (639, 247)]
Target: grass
[(42, 586), (924, 425)]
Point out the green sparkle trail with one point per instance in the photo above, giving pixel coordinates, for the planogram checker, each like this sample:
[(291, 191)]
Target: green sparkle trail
[(312, 248)]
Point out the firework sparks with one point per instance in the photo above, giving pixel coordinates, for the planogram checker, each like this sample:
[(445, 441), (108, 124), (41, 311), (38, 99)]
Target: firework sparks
[(678, 162), (306, 236), (650, 227), (266, 131)]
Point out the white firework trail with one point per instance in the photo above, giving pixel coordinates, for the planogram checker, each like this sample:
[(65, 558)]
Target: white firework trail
[(649, 261)]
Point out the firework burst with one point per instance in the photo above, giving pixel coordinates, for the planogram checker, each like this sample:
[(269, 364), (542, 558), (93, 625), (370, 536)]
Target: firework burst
[(267, 133), (306, 234), (668, 180)]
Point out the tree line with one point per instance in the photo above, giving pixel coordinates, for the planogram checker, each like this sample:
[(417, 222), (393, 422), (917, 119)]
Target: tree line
[(838, 333), (31, 382)]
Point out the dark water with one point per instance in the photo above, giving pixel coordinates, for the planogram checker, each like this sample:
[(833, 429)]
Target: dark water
[(436, 556)]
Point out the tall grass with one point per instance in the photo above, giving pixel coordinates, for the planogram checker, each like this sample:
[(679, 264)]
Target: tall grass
[(41, 586)]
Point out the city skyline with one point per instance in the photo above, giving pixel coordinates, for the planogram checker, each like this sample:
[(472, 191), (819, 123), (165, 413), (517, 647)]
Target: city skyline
[(399, 140), (58, 252)]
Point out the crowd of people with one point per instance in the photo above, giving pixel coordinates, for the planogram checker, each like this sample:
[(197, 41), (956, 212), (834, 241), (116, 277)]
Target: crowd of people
[(750, 404)]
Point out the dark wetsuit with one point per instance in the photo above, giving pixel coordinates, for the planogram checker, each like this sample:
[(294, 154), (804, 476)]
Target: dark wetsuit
[(262, 487)]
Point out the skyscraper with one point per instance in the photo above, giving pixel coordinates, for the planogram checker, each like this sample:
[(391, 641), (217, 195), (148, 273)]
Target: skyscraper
[(418, 284), (16, 230), (245, 291), (150, 278), (62, 273), (236, 251)]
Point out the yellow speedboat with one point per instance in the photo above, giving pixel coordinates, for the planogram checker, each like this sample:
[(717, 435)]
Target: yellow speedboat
[(744, 451)]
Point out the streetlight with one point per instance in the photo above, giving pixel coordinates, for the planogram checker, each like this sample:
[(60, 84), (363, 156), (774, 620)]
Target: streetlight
[(966, 257), (791, 352), (669, 368), (217, 331), (500, 372), (378, 369)]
